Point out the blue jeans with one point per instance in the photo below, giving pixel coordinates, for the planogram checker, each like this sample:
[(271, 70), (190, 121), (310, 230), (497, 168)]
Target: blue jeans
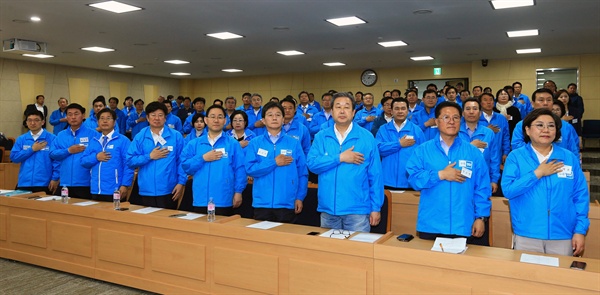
[(353, 222)]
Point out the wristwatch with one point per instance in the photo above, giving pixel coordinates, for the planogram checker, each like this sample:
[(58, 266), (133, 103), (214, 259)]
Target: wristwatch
[(484, 219)]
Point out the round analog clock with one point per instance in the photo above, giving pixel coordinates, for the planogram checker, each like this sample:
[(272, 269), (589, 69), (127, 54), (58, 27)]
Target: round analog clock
[(368, 78)]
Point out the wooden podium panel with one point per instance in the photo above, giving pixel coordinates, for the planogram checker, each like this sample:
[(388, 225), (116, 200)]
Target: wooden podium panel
[(480, 270), (500, 225), (9, 175), (405, 208)]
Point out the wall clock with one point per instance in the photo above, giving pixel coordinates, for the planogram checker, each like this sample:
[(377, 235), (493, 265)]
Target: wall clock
[(368, 78)]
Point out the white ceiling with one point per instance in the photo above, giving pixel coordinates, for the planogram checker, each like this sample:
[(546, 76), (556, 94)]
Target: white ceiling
[(456, 31)]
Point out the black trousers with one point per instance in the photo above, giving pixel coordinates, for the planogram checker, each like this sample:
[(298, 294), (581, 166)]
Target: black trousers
[(222, 211), (102, 198), (484, 240), (165, 201), (275, 214), (80, 192), (36, 189)]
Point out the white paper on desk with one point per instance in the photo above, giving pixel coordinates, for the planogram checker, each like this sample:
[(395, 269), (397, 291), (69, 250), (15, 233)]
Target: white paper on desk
[(265, 225), (191, 216), (4, 191), (340, 234), (366, 237), (538, 259), (87, 203), (146, 210), (397, 192), (48, 198), (454, 246)]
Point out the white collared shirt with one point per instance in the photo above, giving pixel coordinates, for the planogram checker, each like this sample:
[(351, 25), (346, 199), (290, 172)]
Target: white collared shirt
[(398, 128), (256, 111), (274, 138), (341, 137), (327, 115), (541, 158), (157, 137), (445, 147), (39, 107), (36, 136), (212, 141), (488, 117), (388, 119)]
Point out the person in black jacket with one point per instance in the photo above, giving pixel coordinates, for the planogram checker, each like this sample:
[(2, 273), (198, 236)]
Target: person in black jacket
[(37, 106), (575, 106)]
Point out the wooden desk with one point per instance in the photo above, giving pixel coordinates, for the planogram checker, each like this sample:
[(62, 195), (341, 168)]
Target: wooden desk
[(411, 268), (9, 175), (405, 208)]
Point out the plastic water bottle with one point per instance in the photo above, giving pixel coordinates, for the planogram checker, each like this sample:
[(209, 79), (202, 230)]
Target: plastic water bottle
[(117, 199), (211, 210), (64, 195)]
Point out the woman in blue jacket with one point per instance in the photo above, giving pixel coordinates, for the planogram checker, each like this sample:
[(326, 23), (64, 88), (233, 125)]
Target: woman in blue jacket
[(199, 128), (217, 163), (547, 191), (239, 128)]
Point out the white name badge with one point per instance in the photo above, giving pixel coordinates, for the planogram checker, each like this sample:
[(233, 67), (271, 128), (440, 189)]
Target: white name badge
[(170, 148), (510, 118), (110, 146), (410, 137), (162, 141), (47, 148), (262, 153), (465, 164), (434, 126), (26, 147), (466, 172), (83, 139), (172, 126), (482, 150), (567, 172), (574, 121), (286, 152), (222, 151)]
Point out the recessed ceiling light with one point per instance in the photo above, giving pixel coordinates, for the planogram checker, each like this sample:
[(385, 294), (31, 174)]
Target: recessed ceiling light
[(180, 74), (225, 35), (35, 19), (541, 73), (114, 6), (502, 4), (346, 21), (530, 50), (334, 64), (232, 70), (418, 58), (290, 52), (121, 66), (523, 33), (392, 43), (177, 62), (97, 49), (39, 55)]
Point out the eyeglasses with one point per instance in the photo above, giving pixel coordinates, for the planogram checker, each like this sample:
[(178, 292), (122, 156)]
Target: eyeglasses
[(447, 119), (238, 121), (155, 115), (337, 232), (216, 117), (33, 120), (541, 126), (105, 119)]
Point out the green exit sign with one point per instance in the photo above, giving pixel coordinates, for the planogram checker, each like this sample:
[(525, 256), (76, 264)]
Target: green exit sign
[(437, 71)]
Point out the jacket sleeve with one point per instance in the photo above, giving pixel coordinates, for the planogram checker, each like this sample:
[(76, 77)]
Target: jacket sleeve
[(375, 175), (178, 125), (59, 151), (55, 118), (135, 154), (385, 146), (88, 160), (505, 139), (128, 173), (131, 120), (495, 161), (418, 177), (190, 161), (302, 175), (255, 167), (182, 176), (517, 138), (358, 119), (305, 140), (187, 125), (315, 125), (577, 108), (318, 161), (415, 119), (18, 154), (581, 199), (517, 180), (573, 139), (239, 171), (483, 190)]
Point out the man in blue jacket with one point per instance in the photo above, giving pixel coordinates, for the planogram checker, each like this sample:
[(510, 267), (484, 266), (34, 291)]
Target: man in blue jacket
[(113, 104), (397, 141), (277, 163), (37, 172), (91, 122), (543, 98), (173, 121), (425, 118), (346, 158), (365, 117), (454, 182), (199, 103), (305, 109), (255, 124), (156, 152), (323, 116), (68, 149), (293, 127), (58, 118), (216, 161), (106, 159)]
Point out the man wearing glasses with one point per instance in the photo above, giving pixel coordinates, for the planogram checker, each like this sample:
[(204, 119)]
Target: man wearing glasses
[(346, 158), (106, 159), (454, 182), (155, 150), (38, 172), (543, 98)]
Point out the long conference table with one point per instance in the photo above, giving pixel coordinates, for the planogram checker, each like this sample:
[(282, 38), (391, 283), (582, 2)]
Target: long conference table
[(163, 254)]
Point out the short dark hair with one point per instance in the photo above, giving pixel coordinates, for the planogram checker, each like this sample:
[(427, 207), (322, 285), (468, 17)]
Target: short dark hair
[(397, 91), (399, 99), (541, 90), (75, 106), (432, 85), (170, 96), (536, 113), (274, 98), (138, 100), (101, 99), (180, 97), (215, 101), (486, 88), (427, 91), (447, 104), (572, 84), (345, 94), (385, 99), (515, 83), (246, 94), (415, 91), (563, 110), (155, 106), (486, 94), (105, 110), (464, 103), (288, 99), (448, 89), (197, 116), (128, 98), (329, 94), (35, 112), (271, 105), (466, 90), (114, 99), (303, 91), (243, 114), (460, 83), (199, 99), (187, 98), (509, 87), (230, 97), (478, 87), (357, 92), (215, 106)]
